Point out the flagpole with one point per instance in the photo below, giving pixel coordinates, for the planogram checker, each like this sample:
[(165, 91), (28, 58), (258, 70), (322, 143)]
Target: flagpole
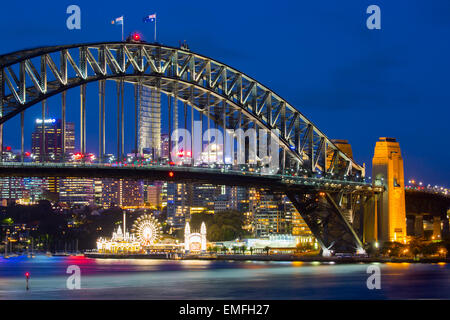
[(155, 27), (122, 26)]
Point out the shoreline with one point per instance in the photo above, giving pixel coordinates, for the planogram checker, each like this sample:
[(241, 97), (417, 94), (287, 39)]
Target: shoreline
[(279, 258)]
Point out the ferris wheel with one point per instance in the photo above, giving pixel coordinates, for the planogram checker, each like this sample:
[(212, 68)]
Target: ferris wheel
[(147, 230)]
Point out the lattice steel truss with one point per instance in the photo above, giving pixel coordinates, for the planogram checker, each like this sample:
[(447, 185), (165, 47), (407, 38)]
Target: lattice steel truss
[(229, 97)]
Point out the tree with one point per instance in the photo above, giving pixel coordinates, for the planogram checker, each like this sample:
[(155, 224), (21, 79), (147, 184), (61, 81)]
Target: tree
[(221, 226), (392, 249), (416, 247), (267, 249), (432, 248), (8, 221), (243, 249)]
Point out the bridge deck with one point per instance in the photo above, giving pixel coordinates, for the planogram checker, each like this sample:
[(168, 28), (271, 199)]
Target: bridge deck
[(181, 174)]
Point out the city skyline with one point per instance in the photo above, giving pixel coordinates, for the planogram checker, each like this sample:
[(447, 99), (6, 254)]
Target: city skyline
[(253, 150), (348, 102)]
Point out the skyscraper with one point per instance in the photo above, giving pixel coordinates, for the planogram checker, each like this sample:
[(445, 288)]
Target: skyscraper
[(122, 192), (150, 122), (153, 193), (53, 139), (77, 191), (177, 205), (165, 146)]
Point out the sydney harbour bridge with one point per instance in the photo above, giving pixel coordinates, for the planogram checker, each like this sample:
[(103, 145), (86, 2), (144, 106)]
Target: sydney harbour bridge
[(320, 180)]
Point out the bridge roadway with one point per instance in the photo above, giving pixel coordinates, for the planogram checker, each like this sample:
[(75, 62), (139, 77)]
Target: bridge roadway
[(185, 174)]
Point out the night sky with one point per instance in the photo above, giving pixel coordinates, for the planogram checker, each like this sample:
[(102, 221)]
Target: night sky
[(353, 83)]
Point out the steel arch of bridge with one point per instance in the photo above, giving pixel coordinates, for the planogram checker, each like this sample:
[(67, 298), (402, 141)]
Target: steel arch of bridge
[(189, 77), (229, 97)]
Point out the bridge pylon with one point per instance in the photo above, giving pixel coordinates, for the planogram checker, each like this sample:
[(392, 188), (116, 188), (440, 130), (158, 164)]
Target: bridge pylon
[(387, 171)]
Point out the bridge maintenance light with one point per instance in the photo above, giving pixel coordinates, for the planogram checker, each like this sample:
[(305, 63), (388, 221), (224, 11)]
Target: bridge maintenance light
[(171, 174), (134, 37)]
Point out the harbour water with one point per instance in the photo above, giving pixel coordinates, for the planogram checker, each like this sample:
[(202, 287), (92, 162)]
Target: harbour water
[(196, 279)]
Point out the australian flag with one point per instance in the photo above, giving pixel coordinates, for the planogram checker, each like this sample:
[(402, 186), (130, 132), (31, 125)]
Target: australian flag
[(118, 20), (150, 18)]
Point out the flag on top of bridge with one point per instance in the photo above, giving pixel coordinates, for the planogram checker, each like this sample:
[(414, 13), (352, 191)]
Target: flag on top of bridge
[(150, 18), (118, 20)]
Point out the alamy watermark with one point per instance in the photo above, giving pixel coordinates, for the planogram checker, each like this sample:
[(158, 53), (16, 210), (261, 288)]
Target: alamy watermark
[(74, 20), (374, 280), (229, 147), (74, 280), (374, 20)]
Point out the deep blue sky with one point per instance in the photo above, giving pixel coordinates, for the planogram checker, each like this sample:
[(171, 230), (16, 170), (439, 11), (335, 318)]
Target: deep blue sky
[(353, 83)]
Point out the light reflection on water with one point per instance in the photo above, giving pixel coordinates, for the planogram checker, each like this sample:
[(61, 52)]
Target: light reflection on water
[(204, 279)]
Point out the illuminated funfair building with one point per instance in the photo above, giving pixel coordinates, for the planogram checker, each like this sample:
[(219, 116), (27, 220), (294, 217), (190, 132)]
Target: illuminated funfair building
[(146, 231), (119, 243), (194, 242), (146, 237)]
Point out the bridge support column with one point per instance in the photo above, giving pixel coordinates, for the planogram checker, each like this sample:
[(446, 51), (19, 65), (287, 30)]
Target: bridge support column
[(101, 121), (388, 172), (1, 142), (63, 126), (437, 228), (83, 119), (2, 90), (22, 140), (43, 155), (418, 226), (185, 146), (368, 216), (122, 127), (169, 114), (119, 121), (136, 93), (193, 155)]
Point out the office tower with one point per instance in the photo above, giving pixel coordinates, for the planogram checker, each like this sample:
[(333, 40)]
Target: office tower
[(122, 192), (202, 196), (53, 148), (150, 122), (153, 194), (98, 191), (33, 188), (76, 191), (177, 205), (110, 193), (131, 193), (222, 203), (269, 213), (165, 146), (11, 189)]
